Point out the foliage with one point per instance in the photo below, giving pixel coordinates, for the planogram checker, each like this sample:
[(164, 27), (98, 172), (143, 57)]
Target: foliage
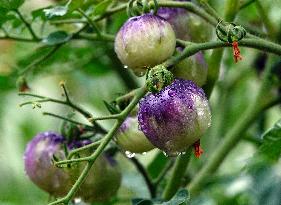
[(52, 41)]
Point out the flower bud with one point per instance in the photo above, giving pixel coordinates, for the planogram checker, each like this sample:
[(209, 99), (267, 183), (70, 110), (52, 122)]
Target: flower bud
[(144, 41), (131, 139), (176, 117), (158, 77)]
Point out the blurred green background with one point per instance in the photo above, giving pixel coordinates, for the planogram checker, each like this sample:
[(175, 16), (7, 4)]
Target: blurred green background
[(93, 74)]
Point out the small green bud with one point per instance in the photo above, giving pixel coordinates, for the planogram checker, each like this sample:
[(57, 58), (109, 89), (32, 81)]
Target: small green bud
[(158, 77)]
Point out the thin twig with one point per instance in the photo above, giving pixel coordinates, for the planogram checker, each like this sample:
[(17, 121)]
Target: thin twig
[(28, 25), (40, 60), (66, 119), (90, 21)]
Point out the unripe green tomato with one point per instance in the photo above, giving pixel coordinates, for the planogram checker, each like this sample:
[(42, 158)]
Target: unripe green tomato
[(192, 68), (199, 29), (186, 25), (131, 139), (102, 182), (144, 41)]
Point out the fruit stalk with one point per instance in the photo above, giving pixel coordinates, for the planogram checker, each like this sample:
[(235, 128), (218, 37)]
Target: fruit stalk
[(177, 175)]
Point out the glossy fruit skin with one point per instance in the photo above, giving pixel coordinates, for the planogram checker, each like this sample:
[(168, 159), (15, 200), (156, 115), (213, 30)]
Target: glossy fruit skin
[(131, 139), (39, 167), (144, 41), (176, 117), (192, 68), (103, 181)]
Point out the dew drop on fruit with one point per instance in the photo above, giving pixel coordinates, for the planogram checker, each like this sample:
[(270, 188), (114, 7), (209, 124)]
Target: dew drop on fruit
[(129, 154)]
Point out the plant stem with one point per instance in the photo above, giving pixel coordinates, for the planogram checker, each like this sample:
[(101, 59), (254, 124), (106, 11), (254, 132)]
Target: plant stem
[(95, 37), (109, 117), (68, 102), (163, 173), (14, 38), (40, 60), (80, 149), (190, 7), (266, 20), (91, 159), (246, 4), (90, 21), (262, 102), (28, 26), (192, 48), (66, 119), (141, 169), (178, 172)]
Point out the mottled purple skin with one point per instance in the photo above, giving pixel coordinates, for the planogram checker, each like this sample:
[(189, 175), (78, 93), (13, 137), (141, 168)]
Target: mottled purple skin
[(38, 163), (169, 119), (139, 24)]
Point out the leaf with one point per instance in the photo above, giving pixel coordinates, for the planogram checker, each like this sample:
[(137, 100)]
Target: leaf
[(101, 7), (74, 4), (11, 4), (111, 108), (180, 198), (57, 37), (40, 13), (55, 11), (271, 146)]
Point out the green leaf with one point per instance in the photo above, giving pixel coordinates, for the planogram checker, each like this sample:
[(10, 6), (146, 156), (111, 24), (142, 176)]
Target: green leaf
[(74, 4), (101, 7), (11, 4), (40, 13), (180, 198), (55, 11), (57, 37), (271, 147), (111, 108)]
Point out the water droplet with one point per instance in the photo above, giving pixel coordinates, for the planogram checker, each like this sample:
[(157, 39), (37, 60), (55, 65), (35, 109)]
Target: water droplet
[(77, 200), (129, 154), (166, 155), (144, 153), (125, 66)]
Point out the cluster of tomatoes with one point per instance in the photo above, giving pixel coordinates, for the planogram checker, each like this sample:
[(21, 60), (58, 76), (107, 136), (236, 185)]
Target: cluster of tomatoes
[(172, 119)]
